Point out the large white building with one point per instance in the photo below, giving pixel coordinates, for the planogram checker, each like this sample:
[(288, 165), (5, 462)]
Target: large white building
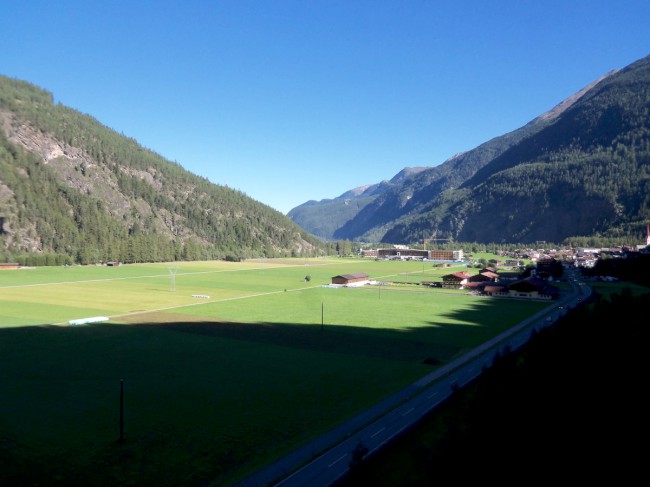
[(407, 253)]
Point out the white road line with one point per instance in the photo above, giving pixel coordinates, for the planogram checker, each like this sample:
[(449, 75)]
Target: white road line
[(202, 303), (337, 460), (432, 395), (378, 432), (408, 412)]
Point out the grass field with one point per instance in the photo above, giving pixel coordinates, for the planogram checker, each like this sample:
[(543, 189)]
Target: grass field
[(607, 289), (214, 387)]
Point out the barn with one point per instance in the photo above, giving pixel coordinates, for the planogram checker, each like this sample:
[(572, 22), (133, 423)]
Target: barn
[(357, 279), (455, 280), (533, 287)]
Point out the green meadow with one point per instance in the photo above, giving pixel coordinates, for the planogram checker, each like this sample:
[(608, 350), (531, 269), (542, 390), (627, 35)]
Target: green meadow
[(214, 387)]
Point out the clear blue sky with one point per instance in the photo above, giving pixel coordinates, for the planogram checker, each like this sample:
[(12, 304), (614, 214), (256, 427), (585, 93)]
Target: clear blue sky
[(292, 100)]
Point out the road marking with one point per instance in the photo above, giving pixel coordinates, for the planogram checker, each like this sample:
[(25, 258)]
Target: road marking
[(407, 412), (337, 460), (434, 394), (378, 432)]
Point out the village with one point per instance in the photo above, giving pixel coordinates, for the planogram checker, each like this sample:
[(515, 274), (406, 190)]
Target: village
[(521, 274), (488, 282)]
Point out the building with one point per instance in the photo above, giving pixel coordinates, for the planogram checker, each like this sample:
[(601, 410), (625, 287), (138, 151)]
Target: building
[(509, 276), (529, 288), (455, 280), (446, 255), (401, 252), (485, 276), (369, 252), (496, 290), (9, 265), (549, 266), (358, 279), (533, 288)]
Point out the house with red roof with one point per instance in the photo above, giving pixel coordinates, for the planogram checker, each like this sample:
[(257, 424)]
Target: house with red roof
[(485, 276), (456, 279)]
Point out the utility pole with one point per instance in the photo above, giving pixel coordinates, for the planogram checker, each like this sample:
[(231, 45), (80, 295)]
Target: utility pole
[(121, 410)]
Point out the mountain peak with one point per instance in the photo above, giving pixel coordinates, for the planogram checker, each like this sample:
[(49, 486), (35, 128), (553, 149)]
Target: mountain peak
[(408, 172), (561, 107)]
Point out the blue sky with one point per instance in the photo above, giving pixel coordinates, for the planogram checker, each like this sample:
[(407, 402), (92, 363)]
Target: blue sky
[(293, 100)]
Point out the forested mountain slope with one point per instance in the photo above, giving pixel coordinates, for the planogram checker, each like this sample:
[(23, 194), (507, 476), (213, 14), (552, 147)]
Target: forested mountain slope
[(73, 190), (577, 171), (586, 173)]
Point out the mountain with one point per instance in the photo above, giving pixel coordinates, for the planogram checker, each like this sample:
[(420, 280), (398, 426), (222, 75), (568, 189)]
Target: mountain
[(323, 218), (579, 170), (73, 190)]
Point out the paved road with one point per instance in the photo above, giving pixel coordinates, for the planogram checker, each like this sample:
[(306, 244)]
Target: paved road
[(327, 458)]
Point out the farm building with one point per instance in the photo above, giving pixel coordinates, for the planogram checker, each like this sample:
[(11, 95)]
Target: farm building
[(455, 280), (475, 286), (533, 287), (496, 289), (485, 276), (529, 288), (9, 265), (357, 279), (489, 269)]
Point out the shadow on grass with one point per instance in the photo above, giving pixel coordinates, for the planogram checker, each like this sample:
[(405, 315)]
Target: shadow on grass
[(193, 391), (435, 343), (384, 344)]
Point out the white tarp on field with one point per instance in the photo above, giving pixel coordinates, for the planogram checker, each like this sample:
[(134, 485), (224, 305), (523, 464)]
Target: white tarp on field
[(84, 321)]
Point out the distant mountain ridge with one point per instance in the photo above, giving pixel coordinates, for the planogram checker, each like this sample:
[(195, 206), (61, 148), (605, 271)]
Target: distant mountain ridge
[(498, 192), (323, 218)]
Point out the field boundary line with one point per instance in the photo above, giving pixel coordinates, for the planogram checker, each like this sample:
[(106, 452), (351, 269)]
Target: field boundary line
[(59, 283), (203, 303)]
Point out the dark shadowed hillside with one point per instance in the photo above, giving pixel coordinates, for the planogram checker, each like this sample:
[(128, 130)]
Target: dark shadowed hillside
[(570, 404)]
